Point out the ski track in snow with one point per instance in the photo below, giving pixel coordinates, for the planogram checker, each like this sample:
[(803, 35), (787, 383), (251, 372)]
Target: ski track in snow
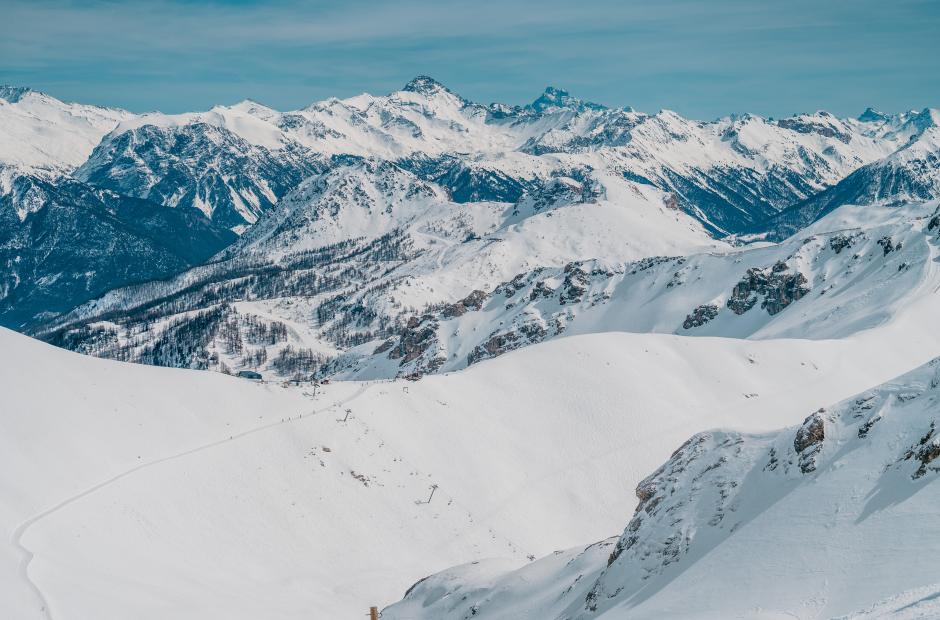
[(453, 500), (27, 556)]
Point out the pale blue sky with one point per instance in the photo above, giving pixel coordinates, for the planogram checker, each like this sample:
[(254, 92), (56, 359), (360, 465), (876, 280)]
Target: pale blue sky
[(702, 59)]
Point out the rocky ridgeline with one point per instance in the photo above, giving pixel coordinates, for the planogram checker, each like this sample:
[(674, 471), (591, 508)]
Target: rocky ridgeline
[(863, 463), (712, 484), (545, 303), (419, 348)]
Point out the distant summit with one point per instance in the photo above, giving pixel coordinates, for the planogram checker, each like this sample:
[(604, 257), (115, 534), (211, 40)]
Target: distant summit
[(425, 85), (13, 94), (557, 98), (871, 115)]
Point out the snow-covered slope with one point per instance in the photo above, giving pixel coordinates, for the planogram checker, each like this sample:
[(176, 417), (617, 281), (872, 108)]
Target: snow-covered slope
[(857, 269), (41, 132), (350, 255), (634, 184), (910, 173), (384, 310), (198, 165), (731, 173), (63, 242), (190, 494), (834, 518)]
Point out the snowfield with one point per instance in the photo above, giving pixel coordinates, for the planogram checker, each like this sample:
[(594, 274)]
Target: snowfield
[(143, 492), (525, 312), (834, 518)]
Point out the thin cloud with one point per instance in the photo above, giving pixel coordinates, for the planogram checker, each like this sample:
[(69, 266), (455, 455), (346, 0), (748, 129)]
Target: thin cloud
[(646, 54)]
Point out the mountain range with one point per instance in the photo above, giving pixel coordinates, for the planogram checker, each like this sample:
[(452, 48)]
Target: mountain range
[(467, 332), (340, 224)]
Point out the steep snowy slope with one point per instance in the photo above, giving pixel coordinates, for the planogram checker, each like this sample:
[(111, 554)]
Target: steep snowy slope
[(63, 242), (832, 518), (910, 173), (351, 254), (192, 494), (377, 210), (41, 132), (731, 173), (198, 165), (856, 269)]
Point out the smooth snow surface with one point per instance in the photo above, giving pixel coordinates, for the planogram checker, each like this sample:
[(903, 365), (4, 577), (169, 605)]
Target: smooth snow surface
[(835, 518), (139, 492)]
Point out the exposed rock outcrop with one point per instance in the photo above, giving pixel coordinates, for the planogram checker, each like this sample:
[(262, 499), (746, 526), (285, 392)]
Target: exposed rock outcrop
[(809, 441), (499, 343), (418, 336), (701, 315), (926, 452), (778, 287), (473, 301)]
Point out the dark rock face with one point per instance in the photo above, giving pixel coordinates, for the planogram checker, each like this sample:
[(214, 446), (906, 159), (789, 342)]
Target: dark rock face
[(803, 126), (519, 282), (198, 166), (555, 98), (64, 242), (541, 290), (385, 346), (811, 433), (934, 222), (575, 285), (926, 452), (734, 199), (564, 187), (809, 440), (497, 344), (888, 246), (465, 182), (776, 285), (701, 315), (425, 85), (473, 301), (840, 242), (418, 336)]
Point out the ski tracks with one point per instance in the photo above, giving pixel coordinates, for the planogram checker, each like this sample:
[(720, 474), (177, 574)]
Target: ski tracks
[(26, 556)]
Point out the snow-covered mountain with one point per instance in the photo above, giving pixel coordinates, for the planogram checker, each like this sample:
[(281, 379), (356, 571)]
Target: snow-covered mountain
[(910, 173), (663, 183), (41, 132), (199, 165), (352, 255), (63, 242), (561, 279), (731, 173), (818, 520), (858, 269)]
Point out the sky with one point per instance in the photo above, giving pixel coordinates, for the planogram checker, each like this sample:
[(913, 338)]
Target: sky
[(702, 59)]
